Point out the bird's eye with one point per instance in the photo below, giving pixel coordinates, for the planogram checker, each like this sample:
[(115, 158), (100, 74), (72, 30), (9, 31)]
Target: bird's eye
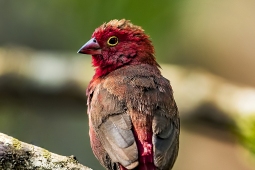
[(112, 41)]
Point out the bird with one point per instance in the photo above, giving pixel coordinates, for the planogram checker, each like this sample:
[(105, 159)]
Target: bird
[(133, 118)]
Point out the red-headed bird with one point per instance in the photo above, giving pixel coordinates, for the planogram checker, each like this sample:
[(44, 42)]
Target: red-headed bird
[(133, 118)]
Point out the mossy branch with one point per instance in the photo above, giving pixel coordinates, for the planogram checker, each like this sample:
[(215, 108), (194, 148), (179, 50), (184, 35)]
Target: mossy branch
[(15, 154)]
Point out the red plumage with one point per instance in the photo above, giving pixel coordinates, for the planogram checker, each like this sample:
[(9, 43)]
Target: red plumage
[(133, 118)]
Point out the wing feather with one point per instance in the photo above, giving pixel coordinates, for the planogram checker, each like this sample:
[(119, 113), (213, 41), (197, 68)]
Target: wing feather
[(118, 139), (165, 140)]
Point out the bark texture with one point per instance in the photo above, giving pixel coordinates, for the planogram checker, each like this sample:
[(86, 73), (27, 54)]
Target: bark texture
[(15, 154)]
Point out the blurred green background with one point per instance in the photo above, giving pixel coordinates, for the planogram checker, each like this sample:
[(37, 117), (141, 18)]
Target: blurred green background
[(43, 80)]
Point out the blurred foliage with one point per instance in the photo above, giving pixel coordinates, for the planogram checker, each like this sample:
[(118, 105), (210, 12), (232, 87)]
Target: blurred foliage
[(246, 131)]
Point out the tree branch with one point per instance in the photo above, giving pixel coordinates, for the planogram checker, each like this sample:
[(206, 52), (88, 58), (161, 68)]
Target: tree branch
[(15, 154)]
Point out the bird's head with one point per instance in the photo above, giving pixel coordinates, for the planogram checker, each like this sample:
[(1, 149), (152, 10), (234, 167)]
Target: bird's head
[(116, 44)]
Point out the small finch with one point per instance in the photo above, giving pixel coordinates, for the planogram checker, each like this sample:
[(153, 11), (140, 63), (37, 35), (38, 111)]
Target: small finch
[(133, 118)]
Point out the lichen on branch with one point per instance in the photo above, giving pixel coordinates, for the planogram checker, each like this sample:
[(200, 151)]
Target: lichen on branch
[(15, 154)]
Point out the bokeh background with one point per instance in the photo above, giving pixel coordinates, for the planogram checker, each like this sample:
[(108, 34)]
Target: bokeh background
[(206, 48)]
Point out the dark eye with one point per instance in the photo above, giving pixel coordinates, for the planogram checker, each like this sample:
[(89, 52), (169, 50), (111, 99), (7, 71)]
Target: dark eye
[(112, 41)]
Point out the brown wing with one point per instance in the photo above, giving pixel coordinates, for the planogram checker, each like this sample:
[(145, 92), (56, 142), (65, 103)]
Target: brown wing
[(112, 126), (165, 138), (165, 126)]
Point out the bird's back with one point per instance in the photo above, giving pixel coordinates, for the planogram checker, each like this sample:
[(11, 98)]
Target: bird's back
[(133, 119)]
